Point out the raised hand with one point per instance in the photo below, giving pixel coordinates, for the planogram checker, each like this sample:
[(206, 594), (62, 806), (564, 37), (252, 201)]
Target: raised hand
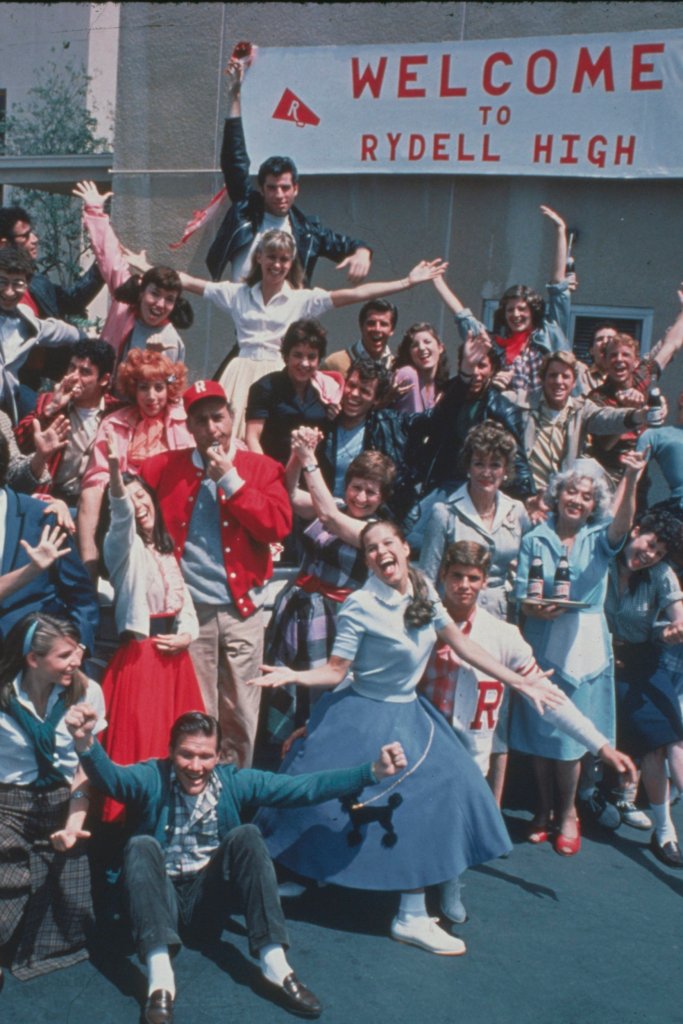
[(426, 270), (49, 548), (90, 194), (474, 349), (553, 216)]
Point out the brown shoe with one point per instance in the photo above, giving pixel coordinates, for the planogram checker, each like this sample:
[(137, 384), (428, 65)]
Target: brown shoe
[(159, 1007), (293, 996)]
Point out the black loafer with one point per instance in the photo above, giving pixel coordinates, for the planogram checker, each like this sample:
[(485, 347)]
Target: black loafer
[(669, 853), (293, 996), (159, 1007)]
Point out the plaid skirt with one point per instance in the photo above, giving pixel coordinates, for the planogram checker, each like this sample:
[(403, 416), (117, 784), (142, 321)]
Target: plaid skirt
[(45, 897), (300, 635)]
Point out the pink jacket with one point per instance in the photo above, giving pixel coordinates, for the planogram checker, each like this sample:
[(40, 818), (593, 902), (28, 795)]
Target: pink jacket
[(115, 271), (122, 423)]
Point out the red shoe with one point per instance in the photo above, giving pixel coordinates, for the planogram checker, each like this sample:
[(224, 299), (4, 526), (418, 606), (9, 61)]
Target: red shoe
[(540, 834), (566, 845)]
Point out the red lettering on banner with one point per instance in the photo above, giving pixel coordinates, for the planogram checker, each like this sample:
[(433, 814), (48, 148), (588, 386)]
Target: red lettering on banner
[(640, 67), (444, 88), (486, 155), (532, 85), (368, 147), (543, 147), (487, 77), (439, 146), (393, 143), (591, 69), (416, 147), (462, 155), (368, 78), (489, 700), (627, 149), (407, 75), (596, 150), (568, 156)]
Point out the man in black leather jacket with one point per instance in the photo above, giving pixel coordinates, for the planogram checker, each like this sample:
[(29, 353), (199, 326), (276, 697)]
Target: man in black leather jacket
[(271, 206)]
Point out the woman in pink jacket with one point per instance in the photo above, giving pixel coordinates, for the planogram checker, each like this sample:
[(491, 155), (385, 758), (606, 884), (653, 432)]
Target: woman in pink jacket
[(145, 311), (153, 422)]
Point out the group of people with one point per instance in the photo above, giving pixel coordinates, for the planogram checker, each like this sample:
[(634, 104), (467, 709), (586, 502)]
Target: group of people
[(474, 569)]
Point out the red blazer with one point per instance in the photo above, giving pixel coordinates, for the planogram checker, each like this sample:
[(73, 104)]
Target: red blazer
[(257, 515)]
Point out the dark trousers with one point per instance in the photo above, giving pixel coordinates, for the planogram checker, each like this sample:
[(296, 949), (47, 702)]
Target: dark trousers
[(239, 878)]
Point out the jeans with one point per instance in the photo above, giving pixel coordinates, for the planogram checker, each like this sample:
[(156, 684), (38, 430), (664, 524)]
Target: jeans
[(239, 877)]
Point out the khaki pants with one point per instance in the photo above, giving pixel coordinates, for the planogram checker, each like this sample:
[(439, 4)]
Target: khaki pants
[(227, 652)]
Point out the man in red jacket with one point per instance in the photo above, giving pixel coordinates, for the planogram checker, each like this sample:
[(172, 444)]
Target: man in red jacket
[(223, 507)]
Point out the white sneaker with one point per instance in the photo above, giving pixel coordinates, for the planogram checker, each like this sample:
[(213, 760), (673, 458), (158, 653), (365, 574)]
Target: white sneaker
[(631, 815), (451, 903), (424, 932)]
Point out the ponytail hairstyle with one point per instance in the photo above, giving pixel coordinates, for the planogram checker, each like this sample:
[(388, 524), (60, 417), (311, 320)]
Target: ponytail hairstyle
[(35, 634), (420, 609), (181, 316)]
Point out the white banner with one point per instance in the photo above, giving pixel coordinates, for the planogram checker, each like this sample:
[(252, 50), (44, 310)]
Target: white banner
[(593, 105)]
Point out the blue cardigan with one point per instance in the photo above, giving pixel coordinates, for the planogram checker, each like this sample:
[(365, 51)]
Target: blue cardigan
[(146, 786)]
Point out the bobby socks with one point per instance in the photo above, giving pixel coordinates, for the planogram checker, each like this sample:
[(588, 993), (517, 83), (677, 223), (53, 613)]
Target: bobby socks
[(664, 826), (159, 971), (412, 905), (274, 964)]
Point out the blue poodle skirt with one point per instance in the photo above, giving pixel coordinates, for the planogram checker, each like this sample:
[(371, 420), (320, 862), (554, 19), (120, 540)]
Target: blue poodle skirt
[(424, 826)]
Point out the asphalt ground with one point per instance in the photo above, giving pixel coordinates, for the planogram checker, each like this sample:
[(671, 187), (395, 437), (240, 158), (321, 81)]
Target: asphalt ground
[(550, 940)]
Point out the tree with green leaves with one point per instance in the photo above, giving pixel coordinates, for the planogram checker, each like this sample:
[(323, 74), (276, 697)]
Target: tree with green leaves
[(55, 120)]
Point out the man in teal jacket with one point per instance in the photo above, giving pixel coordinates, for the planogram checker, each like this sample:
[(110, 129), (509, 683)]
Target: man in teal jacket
[(192, 861)]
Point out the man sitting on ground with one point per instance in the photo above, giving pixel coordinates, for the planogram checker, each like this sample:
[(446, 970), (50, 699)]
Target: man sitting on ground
[(190, 833)]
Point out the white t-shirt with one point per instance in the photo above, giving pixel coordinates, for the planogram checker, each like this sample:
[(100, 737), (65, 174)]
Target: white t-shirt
[(259, 325)]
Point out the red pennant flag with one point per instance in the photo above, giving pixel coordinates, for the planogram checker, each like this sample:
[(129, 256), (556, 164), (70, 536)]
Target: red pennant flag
[(291, 108)]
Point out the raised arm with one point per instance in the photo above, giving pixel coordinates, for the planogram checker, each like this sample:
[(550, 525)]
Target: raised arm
[(625, 498), (666, 349), (304, 444), (425, 270), (108, 250), (448, 295), (558, 272)]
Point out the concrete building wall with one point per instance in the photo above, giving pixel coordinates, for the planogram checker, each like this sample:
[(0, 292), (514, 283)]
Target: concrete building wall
[(167, 144)]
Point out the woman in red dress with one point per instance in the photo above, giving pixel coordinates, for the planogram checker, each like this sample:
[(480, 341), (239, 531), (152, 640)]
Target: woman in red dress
[(150, 681)]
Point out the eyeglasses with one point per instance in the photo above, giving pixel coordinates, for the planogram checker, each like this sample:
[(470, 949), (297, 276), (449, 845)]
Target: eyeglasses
[(23, 236), (16, 284)]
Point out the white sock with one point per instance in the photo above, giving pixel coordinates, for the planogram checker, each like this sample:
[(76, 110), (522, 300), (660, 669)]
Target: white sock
[(159, 971), (664, 826), (412, 905), (274, 964)]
